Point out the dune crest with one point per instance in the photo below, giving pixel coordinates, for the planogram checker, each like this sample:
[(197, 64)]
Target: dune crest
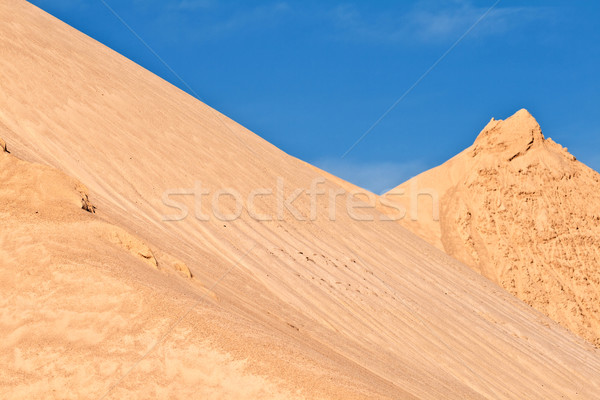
[(521, 210)]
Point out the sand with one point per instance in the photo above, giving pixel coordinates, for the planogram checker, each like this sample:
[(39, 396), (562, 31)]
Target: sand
[(522, 211), (98, 304)]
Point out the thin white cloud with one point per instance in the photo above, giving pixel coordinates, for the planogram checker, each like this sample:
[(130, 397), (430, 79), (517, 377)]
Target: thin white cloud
[(257, 16), (228, 19), (192, 5), (378, 177), (424, 23)]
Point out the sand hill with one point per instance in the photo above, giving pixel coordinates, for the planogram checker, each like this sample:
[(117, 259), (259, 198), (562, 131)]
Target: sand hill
[(97, 301), (522, 211)]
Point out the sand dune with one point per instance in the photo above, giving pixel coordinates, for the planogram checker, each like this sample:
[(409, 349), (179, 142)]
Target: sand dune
[(77, 306), (525, 213), (297, 306)]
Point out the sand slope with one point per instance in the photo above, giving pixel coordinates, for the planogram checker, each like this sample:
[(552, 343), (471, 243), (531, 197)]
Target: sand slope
[(75, 307), (525, 213), (317, 308)]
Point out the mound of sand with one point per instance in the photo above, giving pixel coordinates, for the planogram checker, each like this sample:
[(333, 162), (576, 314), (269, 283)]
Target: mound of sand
[(307, 308), (72, 308), (522, 211)]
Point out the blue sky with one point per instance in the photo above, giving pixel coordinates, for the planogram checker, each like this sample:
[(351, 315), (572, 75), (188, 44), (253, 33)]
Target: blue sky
[(312, 76)]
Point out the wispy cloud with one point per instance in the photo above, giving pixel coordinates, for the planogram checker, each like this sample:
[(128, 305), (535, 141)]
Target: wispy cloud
[(191, 5), (424, 23), (253, 17), (378, 177), (201, 20)]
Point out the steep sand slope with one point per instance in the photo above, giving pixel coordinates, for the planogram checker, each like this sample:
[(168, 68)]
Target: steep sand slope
[(71, 308), (322, 309), (522, 211)]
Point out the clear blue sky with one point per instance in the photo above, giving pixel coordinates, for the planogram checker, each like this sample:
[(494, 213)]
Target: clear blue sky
[(312, 76)]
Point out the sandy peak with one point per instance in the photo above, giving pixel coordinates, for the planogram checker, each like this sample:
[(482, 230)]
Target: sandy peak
[(522, 113), (519, 132)]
